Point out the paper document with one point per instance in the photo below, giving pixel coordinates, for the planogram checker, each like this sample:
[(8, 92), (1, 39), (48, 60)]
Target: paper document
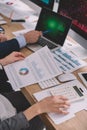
[(21, 32), (37, 67), (67, 61), (18, 9), (72, 47), (75, 106), (2, 22)]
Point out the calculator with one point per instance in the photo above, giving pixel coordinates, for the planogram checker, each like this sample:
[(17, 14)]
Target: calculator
[(73, 90), (49, 83)]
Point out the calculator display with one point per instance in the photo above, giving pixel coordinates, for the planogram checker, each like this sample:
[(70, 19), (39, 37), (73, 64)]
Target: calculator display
[(78, 91)]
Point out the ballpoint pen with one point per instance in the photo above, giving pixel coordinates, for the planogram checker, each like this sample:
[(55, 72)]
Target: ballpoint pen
[(47, 31), (17, 20)]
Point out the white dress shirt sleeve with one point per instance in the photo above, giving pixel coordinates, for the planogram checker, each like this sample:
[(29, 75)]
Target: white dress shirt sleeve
[(21, 40)]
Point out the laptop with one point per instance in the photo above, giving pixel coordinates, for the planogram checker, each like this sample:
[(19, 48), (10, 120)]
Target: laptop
[(54, 28)]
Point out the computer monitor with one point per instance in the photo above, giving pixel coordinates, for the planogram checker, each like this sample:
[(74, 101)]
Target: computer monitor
[(44, 3), (77, 10)]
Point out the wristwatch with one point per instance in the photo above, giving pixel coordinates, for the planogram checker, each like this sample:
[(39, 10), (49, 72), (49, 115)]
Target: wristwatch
[(2, 30)]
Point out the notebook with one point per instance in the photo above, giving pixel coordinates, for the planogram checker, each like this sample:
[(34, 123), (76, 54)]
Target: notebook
[(54, 27)]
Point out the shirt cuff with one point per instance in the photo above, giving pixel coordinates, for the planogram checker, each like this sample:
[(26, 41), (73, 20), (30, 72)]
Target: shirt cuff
[(21, 41)]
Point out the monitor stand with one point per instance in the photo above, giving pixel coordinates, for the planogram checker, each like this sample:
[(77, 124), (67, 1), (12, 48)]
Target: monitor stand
[(79, 39)]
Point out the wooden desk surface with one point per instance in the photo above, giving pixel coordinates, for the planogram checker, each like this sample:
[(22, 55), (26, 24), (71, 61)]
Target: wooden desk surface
[(79, 122)]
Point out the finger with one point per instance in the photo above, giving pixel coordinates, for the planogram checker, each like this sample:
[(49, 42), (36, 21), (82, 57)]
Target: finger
[(65, 106), (63, 111), (63, 97), (60, 97), (40, 33), (18, 58), (19, 54)]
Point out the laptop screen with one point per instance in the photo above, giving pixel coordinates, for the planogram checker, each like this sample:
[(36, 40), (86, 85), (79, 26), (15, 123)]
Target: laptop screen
[(54, 26)]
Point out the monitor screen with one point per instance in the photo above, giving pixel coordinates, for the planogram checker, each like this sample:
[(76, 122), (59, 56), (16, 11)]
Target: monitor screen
[(44, 3), (77, 10), (54, 26)]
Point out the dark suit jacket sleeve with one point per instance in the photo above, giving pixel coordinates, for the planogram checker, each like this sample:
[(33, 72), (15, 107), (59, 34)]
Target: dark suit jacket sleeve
[(18, 122), (8, 46)]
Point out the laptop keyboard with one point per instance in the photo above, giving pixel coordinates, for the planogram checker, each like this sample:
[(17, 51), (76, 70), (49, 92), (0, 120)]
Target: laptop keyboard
[(43, 42)]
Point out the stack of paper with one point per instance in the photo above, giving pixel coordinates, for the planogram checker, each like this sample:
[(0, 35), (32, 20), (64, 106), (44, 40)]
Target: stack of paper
[(37, 67)]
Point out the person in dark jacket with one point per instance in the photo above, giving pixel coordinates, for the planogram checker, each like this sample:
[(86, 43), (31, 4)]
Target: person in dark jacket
[(12, 106), (17, 99), (25, 119), (8, 46)]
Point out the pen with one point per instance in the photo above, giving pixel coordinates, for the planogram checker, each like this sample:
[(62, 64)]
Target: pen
[(51, 93), (11, 14), (17, 20), (47, 31)]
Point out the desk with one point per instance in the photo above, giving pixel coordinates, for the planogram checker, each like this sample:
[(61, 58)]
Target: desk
[(79, 122)]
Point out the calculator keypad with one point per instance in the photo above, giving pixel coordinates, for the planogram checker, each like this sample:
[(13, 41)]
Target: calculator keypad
[(48, 83), (68, 92)]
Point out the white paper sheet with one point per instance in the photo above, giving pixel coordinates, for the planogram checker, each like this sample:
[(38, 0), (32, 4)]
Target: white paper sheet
[(21, 32), (2, 22), (37, 67), (19, 9), (67, 61)]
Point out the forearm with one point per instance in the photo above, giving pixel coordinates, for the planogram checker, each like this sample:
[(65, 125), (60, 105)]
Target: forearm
[(2, 61), (32, 111)]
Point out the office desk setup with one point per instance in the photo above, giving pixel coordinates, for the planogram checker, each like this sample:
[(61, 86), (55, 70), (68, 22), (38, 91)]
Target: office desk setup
[(79, 122)]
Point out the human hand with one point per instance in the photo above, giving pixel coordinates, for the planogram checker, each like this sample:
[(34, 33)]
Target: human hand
[(32, 36), (13, 57), (56, 104), (3, 37)]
